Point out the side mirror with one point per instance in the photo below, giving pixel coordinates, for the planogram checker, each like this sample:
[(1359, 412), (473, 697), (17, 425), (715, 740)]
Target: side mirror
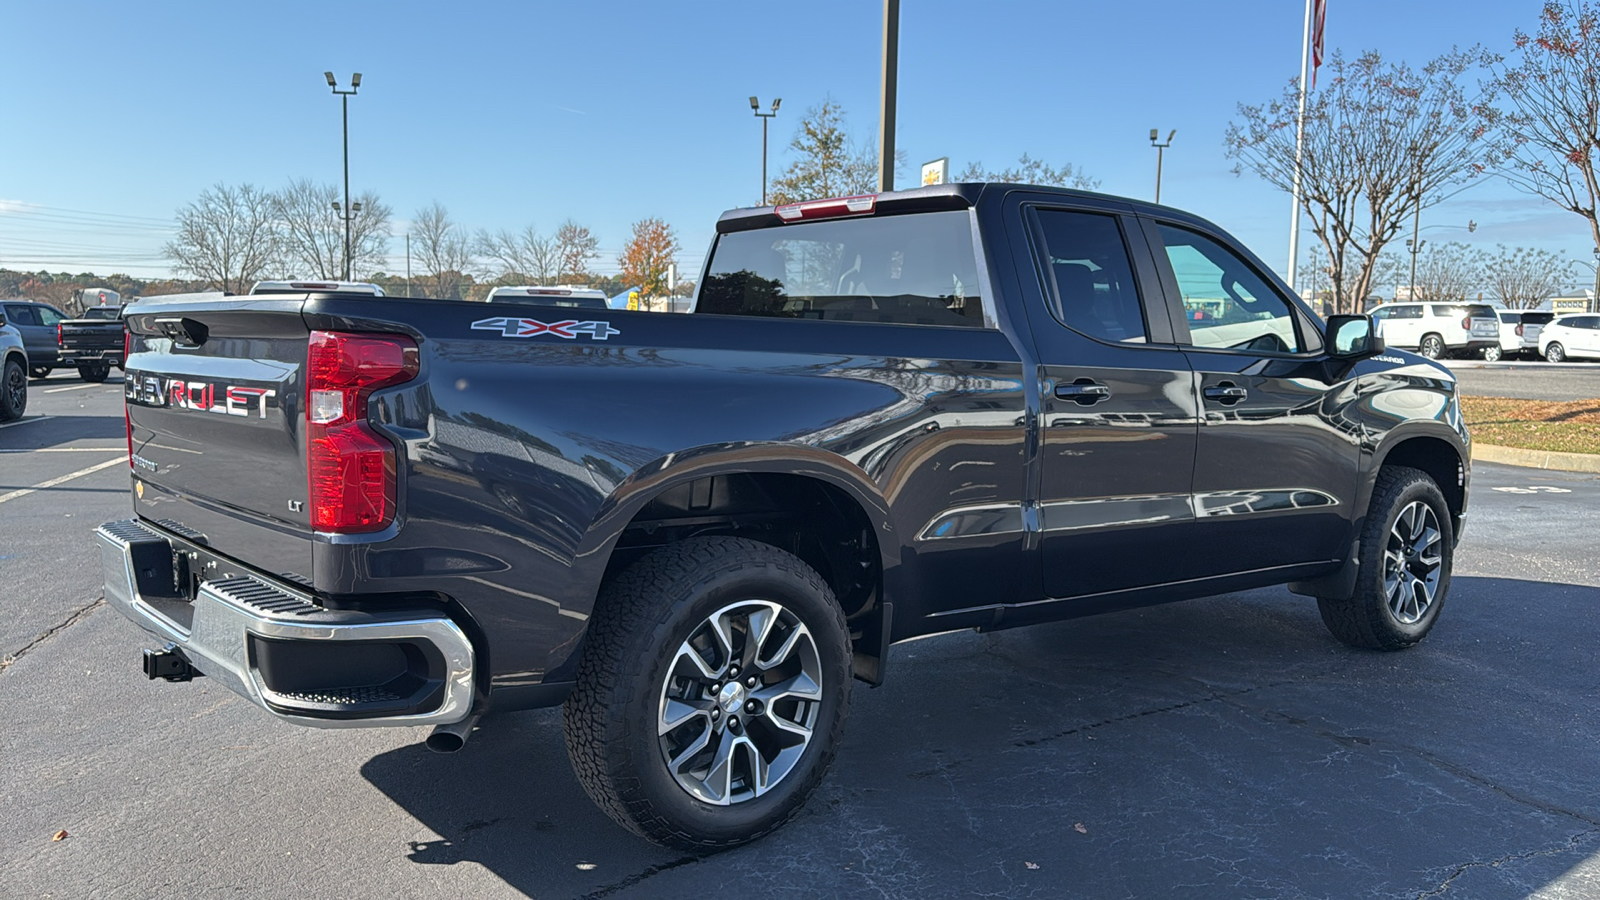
[(1353, 337)]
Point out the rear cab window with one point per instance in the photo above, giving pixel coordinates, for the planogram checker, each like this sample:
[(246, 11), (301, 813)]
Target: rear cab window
[(911, 269)]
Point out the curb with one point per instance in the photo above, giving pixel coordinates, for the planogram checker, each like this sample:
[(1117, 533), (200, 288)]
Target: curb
[(1537, 459)]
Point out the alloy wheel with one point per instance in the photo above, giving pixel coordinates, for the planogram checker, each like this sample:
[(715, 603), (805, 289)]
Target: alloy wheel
[(1491, 354), (1412, 563), (1431, 347), (16, 387), (1554, 353), (739, 702)]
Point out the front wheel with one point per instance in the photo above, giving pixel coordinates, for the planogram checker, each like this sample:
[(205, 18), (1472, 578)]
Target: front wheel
[(712, 693), (1406, 550), (95, 371), (1432, 346), (1491, 354), (1554, 352), (13, 391)]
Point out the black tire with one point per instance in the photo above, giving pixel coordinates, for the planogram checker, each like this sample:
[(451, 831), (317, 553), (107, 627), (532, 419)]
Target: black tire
[(13, 391), (1554, 352), (40, 371), (1432, 346), (1491, 354), (641, 621), (95, 371), (1366, 619)]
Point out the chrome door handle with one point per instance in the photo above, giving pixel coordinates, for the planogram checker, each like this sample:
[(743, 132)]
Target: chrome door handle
[(1226, 393)]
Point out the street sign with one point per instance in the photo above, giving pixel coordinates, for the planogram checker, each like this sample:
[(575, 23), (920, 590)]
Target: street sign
[(936, 172)]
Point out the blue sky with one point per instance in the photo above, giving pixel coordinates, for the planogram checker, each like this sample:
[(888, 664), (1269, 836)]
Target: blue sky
[(527, 113)]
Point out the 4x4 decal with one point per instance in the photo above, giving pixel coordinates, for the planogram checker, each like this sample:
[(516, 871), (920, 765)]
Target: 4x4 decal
[(522, 328)]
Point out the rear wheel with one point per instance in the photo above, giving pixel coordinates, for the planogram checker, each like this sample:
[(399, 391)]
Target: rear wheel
[(1432, 346), (13, 391), (712, 693), (1407, 547), (1491, 354), (94, 371), (40, 371), (1554, 352)]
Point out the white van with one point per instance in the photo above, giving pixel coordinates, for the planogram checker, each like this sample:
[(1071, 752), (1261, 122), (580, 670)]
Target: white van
[(1438, 329)]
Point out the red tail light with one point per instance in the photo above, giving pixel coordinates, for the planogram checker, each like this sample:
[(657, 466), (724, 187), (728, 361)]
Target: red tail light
[(859, 205), (59, 341), (350, 467), (1519, 331), (1466, 323)]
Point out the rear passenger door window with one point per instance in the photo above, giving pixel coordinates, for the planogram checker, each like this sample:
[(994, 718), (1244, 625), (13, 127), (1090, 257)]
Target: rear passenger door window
[(1227, 304), (21, 315), (1088, 276)]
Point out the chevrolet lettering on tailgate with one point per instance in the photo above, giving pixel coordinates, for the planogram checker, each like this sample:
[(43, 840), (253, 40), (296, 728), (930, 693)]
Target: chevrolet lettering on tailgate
[(200, 396)]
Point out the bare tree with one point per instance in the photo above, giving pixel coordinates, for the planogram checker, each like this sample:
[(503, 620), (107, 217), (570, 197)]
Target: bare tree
[(826, 166), (576, 247), (1448, 271), (1382, 142), (442, 249), (313, 233), (1524, 277), (522, 256), (227, 238), (1031, 171), (1550, 132)]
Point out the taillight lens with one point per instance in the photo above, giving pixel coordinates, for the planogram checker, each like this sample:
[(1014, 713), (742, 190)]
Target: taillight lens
[(127, 415), (59, 341), (350, 467), (1466, 323), (1519, 331)]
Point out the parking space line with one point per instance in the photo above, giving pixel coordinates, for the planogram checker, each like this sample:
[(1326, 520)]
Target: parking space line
[(67, 450), (23, 492), (24, 421), (71, 387)]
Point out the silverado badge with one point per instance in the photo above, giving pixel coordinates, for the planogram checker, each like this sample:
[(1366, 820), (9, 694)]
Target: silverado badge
[(521, 328)]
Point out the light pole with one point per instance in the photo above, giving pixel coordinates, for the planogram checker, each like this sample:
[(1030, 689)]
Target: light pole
[(1594, 301), (887, 101), (764, 116), (344, 100), (1161, 149)]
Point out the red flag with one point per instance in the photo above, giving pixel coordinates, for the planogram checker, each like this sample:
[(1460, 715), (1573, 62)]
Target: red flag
[(1319, 15)]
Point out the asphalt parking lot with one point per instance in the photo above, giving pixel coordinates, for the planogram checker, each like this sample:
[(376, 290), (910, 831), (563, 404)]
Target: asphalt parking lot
[(1527, 380), (1225, 747)]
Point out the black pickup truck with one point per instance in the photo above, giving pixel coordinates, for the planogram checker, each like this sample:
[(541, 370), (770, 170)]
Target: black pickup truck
[(964, 406), (92, 342)]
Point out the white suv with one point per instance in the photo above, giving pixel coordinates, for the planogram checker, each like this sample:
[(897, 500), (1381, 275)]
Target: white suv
[(553, 295), (1571, 336), (1437, 329)]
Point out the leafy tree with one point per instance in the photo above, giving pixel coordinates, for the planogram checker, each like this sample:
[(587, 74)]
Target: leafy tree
[(1382, 140), (1031, 171), (228, 238), (1523, 278), (826, 165), (575, 246), (647, 255), (442, 250), (1550, 130), (313, 233)]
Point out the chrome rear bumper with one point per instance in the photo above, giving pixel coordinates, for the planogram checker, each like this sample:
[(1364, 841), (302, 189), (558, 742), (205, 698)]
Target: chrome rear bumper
[(237, 624)]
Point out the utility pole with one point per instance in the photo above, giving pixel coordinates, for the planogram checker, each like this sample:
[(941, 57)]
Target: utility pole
[(764, 116), (1415, 246), (1299, 147), (891, 65), (1160, 149), (349, 211)]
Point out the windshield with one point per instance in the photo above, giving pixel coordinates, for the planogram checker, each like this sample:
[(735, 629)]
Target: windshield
[(916, 269)]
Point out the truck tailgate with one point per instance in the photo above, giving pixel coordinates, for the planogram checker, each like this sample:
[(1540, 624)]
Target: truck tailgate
[(215, 419)]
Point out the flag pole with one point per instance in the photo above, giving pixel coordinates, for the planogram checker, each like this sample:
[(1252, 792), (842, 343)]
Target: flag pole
[(1299, 147)]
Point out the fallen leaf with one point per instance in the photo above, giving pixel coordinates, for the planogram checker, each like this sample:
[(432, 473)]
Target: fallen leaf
[(1078, 827), (1031, 865), (59, 836)]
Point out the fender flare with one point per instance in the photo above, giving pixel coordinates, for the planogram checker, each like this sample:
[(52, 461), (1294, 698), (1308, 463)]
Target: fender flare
[(594, 550)]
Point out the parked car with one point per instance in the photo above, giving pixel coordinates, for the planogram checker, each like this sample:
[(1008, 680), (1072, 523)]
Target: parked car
[(1524, 326), (960, 406), (92, 342), (37, 324), (301, 287), (13, 371), (555, 295), (1439, 329), (1572, 336)]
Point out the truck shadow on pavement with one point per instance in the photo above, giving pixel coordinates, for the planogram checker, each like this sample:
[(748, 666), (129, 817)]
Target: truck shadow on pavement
[(1220, 747)]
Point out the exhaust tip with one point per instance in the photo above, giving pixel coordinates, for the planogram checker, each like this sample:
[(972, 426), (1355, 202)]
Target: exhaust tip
[(452, 737)]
